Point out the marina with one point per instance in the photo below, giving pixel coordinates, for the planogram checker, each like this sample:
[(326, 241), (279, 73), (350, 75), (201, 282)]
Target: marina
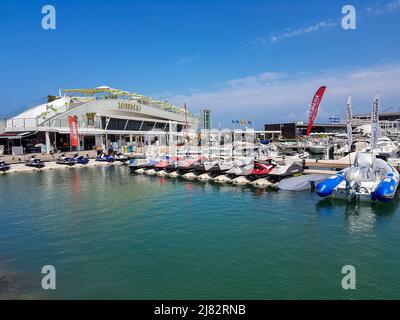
[(124, 236), (199, 157)]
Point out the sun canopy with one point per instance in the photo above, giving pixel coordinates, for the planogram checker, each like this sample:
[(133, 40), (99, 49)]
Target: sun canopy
[(123, 93)]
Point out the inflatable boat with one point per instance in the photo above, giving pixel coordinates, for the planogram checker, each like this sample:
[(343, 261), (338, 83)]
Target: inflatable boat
[(370, 178)]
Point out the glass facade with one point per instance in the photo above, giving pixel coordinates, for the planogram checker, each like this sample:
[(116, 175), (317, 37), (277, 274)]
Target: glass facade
[(135, 125), (205, 120)]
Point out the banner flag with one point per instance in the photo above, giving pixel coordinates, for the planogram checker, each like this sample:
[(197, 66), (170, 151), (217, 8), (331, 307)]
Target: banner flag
[(73, 131), (314, 108)]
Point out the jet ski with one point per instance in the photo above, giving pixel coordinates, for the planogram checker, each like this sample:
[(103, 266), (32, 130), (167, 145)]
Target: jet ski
[(4, 166), (80, 159), (280, 172), (173, 164), (69, 161), (242, 167), (188, 165), (164, 163), (221, 167), (34, 162), (261, 170), (136, 164), (370, 178), (104, 158), (120, 157), (204, 167)]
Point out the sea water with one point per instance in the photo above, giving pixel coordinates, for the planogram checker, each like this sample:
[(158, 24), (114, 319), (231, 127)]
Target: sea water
[(115, 235)]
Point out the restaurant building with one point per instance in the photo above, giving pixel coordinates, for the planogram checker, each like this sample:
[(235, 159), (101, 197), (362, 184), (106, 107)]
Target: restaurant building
[(105, 117)]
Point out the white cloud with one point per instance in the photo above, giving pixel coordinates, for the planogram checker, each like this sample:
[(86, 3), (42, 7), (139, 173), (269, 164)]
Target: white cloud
[(380, 8), (286, 97), (294, 32)]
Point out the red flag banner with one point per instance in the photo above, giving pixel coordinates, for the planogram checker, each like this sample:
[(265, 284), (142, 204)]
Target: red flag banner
[(314, 108), (73, 131)]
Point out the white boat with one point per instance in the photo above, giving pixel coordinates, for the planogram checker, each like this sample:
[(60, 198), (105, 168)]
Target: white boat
[(386, 148), (318, 149)]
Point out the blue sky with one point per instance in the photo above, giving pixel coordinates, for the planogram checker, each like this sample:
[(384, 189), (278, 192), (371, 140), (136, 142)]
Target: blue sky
[(242, 59)]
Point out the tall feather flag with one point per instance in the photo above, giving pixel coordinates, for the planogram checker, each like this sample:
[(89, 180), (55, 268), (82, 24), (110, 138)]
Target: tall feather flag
[(375, 121), (349, 119), (186, 120), (314, 108)]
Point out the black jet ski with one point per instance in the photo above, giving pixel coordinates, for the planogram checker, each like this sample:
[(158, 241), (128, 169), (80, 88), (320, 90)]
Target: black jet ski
[(4, 166), (34, 162), (62, 159)]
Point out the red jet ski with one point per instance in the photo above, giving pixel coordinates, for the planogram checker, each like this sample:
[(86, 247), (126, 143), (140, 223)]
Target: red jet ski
[(164, 163), (261, 170)]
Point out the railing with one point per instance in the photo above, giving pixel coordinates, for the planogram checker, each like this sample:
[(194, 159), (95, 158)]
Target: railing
[(147, 102)]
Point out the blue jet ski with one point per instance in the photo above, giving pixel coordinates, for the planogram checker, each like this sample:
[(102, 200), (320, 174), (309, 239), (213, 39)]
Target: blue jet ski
[(34, 162), (105, 158), (80, 159), (69, 161), (4, 166)]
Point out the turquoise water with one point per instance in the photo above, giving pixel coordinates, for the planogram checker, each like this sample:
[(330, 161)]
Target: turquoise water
[(110, 234)]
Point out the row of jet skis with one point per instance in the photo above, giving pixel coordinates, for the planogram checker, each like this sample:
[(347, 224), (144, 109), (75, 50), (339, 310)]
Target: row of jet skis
[(37, 163), (196, 166), (368, 178)]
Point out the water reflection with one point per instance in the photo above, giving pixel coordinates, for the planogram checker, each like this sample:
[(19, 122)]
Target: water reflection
[(360, 216)]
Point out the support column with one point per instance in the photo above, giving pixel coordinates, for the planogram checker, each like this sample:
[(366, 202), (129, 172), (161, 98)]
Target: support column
[(48, 142), (55, 141)]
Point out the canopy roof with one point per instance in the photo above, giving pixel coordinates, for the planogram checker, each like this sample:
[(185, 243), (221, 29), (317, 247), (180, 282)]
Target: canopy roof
[(119, 92)]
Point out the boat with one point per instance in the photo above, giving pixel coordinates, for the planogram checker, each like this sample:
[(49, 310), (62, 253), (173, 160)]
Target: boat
[(4, 166), (104, 158), (317, 149), (386, 148), (370, 178), (69, 161), (340, 147), (34, 162)]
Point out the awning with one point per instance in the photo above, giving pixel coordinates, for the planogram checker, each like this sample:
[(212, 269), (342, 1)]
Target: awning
[(13, 136)]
